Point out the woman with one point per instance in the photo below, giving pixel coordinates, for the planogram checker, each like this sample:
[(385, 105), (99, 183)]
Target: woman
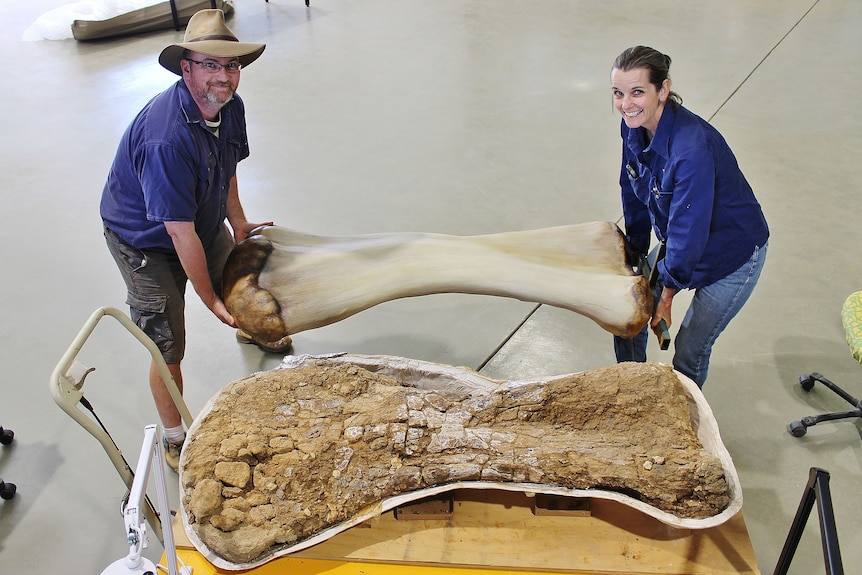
[(680, 178)]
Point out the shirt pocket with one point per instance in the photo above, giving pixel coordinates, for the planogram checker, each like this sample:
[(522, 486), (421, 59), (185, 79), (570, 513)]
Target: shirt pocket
[(232, 154), (148, 313), (639, 179), (661, 196)]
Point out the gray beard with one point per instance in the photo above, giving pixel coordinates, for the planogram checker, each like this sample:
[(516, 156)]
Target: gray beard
[(212, 99)]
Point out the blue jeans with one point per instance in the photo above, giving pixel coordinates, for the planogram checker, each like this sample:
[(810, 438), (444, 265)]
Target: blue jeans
[(710, 312)]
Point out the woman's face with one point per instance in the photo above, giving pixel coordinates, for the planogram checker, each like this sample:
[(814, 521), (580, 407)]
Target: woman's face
[(636, 99)]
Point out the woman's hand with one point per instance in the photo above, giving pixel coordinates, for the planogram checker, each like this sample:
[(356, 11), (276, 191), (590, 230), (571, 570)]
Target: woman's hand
[(663, 309)]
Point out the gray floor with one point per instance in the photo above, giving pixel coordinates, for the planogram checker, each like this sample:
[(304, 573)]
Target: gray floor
[(453, 116)]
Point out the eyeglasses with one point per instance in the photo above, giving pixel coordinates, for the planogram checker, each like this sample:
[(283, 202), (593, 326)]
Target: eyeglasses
[(213, 67)]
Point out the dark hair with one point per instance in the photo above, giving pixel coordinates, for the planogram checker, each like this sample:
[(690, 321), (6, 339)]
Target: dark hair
[(657, 63)]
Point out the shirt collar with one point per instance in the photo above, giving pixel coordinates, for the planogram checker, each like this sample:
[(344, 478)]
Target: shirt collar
[(187, 104), (660, 143), (190, 108)]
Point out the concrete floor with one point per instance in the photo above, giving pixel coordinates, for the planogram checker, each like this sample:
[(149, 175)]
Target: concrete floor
[(452, 116)]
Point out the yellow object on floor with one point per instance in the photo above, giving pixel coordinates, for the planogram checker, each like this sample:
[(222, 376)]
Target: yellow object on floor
[(851, 319)]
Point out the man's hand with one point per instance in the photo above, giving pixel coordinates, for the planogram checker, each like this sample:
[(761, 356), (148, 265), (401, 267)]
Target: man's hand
[(218, 308), (241, 230)]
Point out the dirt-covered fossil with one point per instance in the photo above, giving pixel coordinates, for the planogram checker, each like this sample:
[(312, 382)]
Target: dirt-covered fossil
[(284, 459)]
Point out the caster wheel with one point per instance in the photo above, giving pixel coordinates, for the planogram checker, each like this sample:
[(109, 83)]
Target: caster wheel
[(806, 381), (6, 436), (7, 490), (797, 429)]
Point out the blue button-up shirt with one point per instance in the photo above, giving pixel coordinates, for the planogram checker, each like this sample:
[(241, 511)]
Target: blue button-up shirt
[(170, 167), (686, 184)]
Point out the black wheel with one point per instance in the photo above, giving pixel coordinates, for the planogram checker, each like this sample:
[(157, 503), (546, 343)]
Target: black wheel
[(807, 382), (797, 429), (7, 490), (6, 436)]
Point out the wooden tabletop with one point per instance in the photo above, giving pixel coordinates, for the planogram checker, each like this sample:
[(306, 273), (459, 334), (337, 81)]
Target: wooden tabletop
[(503, 532)]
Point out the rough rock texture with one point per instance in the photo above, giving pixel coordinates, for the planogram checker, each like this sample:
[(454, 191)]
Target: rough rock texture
[(285, 454)]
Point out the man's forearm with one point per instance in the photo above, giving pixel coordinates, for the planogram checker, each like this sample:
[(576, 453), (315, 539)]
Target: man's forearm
[(235, 213), (193, 259)]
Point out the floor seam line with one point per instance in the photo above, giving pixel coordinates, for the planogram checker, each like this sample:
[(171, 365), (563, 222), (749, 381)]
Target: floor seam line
[(762, 60)]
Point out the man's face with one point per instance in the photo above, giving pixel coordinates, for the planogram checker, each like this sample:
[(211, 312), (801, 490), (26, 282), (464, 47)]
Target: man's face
[(210, 88)]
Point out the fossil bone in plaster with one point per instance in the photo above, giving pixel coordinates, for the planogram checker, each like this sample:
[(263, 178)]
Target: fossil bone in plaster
[(284, 459)]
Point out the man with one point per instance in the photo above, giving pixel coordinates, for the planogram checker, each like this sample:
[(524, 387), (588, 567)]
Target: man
[(171, 187)]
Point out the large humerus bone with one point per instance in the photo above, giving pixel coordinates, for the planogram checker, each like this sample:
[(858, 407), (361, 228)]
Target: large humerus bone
[(284, 459), (279, 282)]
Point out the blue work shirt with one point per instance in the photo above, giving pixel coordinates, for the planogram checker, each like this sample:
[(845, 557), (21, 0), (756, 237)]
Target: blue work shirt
[(170, 167), (686, 184)]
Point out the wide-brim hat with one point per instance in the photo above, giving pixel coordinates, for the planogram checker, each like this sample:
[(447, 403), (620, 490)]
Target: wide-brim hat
[(208, 34)]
